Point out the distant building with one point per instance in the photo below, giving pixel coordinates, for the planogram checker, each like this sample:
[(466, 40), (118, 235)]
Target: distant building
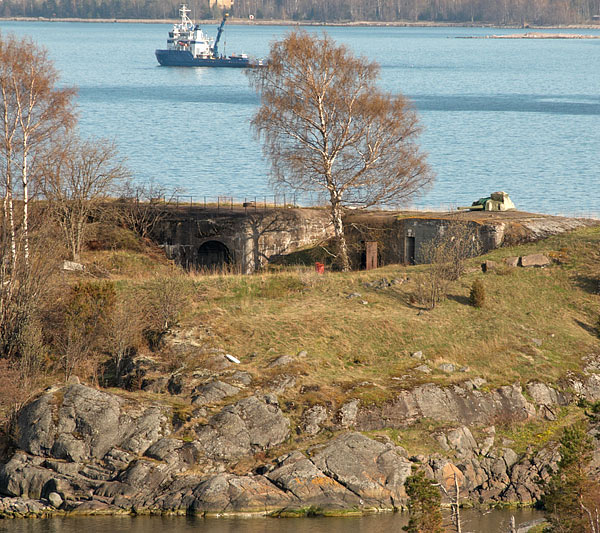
[(223, 4)]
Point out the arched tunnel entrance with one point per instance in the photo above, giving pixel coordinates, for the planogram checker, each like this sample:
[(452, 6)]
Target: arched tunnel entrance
[(213, 255)]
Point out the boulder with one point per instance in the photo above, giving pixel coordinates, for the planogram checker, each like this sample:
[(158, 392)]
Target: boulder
[(24, 477), (511, 261), (461, 440), (79, 423), (282, 360), (370, 469), (226, 493), (488, 266), (535, 260), (448, 368), (55, 499), (346, 415), (212, 392), (312, 419), (251, 425), (298, 476)]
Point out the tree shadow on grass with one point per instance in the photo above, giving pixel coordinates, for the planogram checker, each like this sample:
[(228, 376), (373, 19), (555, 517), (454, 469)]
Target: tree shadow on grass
[(464, 300), (589, 284), (587, 327)]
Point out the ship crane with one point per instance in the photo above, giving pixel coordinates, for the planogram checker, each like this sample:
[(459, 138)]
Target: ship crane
[(215, 49)]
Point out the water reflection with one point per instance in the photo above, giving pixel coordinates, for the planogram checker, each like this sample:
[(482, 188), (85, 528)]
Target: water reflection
[(473, 522)]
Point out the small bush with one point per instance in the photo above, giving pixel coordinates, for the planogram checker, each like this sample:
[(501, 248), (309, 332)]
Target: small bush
[(477, 296)]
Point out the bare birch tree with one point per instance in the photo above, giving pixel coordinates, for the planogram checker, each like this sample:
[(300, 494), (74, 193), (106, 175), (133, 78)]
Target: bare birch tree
[(33, 110), (328, 129), (78, 177)]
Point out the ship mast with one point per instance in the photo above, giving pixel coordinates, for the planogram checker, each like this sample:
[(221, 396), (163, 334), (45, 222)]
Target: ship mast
[(185, 20)]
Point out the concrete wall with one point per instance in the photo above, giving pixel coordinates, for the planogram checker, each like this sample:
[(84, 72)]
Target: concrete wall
[(401, 239), (251, 238)]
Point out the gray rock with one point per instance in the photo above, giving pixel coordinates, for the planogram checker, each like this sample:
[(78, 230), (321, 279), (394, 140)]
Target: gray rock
[(442, 441), (142, 427), (534, 260), (212, 392), (510, 458), (23, 476), (489, 266), (449, 368), (67, 447), (346, 415), (511, 261), (281, 383), (545, 395), (297, 475), (537, 342), (72, 266), (240, 377), (418, 355), (488, 440), (80, 424), (423, 368), (474, 384), (312, 419), (55, 499), (282, 360), (366, 467), (235, 493), (461, 439), (448, 404), (35, 425), (249, 426)]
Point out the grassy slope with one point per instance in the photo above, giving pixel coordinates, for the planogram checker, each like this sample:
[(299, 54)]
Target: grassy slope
[(363, 350)]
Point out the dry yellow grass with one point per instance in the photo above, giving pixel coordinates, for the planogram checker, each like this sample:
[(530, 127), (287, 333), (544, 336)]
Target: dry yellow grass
[(537, 323)]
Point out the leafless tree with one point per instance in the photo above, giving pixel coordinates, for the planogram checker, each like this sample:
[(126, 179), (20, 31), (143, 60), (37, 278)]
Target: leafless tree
[(141, 207), (32, 112), (456, 241), (79, 176), (328, 129), (24, 289)]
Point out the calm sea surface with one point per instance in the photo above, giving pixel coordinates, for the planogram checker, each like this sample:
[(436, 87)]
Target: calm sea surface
[(516, 115), (493, 522)]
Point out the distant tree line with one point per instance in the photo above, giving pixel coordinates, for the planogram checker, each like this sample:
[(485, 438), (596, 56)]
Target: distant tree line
[(499, 12)]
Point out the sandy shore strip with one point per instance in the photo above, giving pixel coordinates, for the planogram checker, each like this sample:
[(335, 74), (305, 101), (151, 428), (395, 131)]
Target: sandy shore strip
[(534, 35)]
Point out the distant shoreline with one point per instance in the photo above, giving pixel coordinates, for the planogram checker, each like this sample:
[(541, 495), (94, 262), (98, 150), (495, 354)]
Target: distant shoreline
[(535, 35), (244, 22)]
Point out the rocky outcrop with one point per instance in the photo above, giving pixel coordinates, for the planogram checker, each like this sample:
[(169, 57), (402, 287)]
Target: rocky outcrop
[(81, 450), (463, 404), (80, 424)]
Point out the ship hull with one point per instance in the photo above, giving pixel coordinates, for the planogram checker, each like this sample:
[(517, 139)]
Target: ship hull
[(181, 58)]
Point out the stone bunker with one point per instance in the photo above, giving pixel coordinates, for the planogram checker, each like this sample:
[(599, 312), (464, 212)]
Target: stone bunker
[(246, 240)]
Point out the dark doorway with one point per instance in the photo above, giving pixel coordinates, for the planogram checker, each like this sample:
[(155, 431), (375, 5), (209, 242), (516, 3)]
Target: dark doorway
[(213, 255), (409, 258)]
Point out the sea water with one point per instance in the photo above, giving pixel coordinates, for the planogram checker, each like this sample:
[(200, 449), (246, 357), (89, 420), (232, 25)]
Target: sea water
[(472, 522), (519, 115)]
